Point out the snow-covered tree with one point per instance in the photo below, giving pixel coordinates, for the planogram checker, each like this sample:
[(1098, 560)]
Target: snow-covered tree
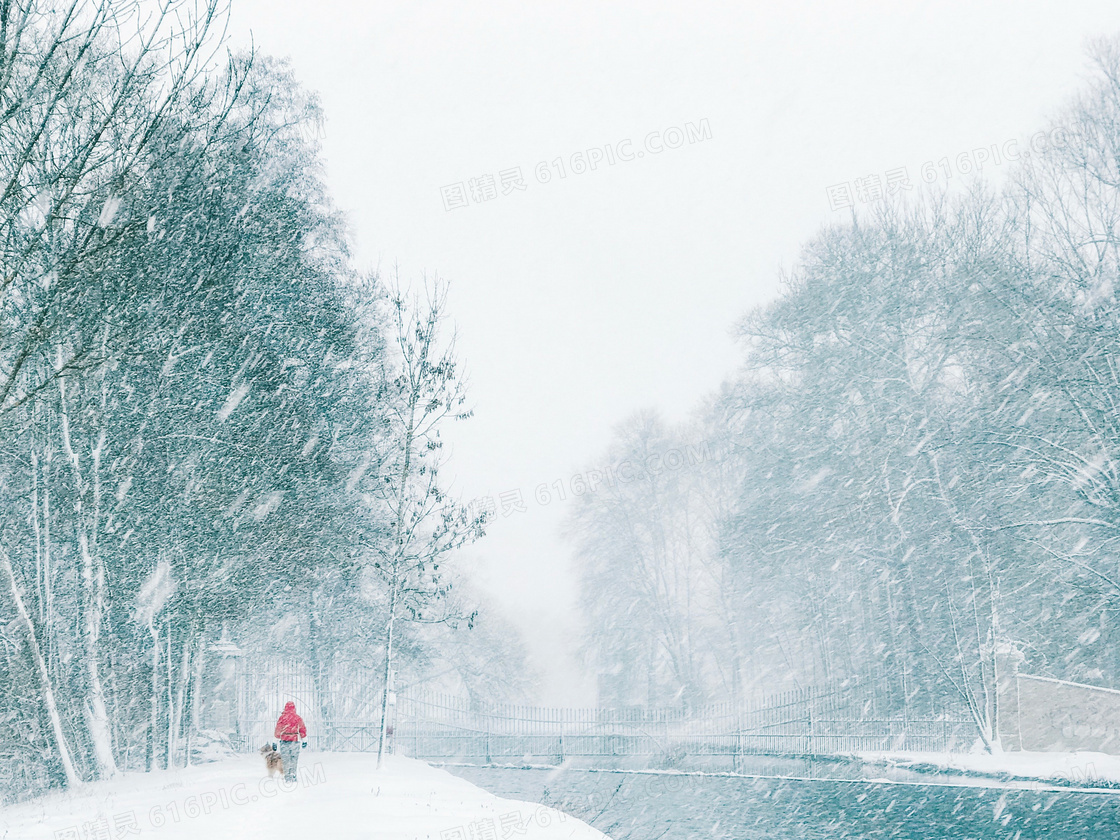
[(421, 388)]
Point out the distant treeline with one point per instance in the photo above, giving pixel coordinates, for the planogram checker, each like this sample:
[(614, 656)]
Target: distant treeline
[(923, 480)]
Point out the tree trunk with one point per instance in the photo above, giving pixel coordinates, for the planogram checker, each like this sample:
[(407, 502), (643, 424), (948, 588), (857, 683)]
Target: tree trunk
[(389, 628), (170, 758), (195, 695), (97, 713), (48, 571), (45, 685), (181, 691), (153, 723), (93, 600), (320, 672)]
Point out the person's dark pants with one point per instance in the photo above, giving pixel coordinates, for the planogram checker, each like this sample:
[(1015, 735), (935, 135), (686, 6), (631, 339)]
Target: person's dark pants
[(289, 752)]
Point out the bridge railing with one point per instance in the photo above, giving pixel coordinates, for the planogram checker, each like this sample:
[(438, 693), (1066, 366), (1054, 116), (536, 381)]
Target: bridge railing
[(343, 713)]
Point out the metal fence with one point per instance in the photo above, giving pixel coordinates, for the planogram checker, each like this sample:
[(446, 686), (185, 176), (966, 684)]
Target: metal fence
[(803, 723), (342, 712), (342, 709)]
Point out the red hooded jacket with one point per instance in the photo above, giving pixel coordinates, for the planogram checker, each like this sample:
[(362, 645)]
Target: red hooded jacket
[(290, 726)]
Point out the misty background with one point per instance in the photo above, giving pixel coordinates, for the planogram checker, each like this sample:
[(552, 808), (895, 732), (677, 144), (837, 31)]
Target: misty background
[(584, 299)]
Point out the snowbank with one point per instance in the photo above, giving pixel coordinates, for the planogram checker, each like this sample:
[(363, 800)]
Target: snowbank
[(1089, 769), (339, 796)]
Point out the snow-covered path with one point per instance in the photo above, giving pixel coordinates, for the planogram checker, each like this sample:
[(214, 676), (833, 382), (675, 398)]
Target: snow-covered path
[(339, 796)]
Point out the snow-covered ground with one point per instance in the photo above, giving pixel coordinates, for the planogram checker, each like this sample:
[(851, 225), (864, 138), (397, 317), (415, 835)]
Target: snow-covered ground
[(1074, 768), (339, 796)]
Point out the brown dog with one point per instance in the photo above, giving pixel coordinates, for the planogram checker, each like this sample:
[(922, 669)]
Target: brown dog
[(272, 760)]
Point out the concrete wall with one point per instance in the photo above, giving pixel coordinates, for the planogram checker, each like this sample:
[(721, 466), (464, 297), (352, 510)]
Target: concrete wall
[(1046, 715)]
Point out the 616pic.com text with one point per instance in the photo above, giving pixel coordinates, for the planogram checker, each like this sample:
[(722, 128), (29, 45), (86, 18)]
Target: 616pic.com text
[(487, 187)]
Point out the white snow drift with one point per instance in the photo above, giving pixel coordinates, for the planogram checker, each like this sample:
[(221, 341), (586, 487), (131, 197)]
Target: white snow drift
[(338, 796)]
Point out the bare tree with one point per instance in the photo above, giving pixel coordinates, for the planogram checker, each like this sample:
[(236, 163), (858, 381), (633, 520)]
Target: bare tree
[(422, 389), (94, 103)]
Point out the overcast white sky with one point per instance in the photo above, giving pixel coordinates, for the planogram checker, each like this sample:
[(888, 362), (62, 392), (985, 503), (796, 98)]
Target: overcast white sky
[(583, 299)]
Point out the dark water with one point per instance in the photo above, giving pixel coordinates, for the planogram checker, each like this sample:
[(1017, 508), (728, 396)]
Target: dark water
[(635, 806)]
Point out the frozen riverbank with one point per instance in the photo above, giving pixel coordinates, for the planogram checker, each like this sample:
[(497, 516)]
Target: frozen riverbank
[(682, 806), (1074, 769)]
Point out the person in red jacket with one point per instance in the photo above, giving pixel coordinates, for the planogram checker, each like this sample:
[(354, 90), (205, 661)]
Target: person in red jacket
[(290, 731)]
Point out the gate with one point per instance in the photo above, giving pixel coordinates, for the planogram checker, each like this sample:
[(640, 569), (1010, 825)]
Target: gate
[(342, 710)]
